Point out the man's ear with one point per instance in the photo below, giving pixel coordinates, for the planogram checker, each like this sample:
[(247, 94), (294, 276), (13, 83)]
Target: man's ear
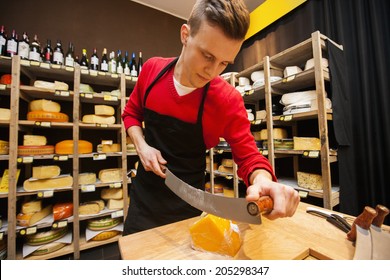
[(184, 33)]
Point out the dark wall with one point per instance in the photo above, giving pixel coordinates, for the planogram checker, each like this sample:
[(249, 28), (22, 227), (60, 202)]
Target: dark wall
[(118, 24)]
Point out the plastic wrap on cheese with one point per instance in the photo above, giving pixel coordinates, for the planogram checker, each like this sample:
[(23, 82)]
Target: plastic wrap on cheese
[(217, 235)]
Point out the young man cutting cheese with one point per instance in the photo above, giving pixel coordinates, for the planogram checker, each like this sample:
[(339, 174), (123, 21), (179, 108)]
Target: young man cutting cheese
[(186, 107)]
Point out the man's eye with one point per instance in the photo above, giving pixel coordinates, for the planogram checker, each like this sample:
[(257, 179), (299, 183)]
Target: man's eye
[(208, 57)]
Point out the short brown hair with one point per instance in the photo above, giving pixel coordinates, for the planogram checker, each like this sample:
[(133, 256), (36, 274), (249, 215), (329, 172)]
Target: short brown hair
[(231, 16)]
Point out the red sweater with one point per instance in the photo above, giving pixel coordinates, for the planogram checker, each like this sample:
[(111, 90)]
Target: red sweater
[(224, 113)]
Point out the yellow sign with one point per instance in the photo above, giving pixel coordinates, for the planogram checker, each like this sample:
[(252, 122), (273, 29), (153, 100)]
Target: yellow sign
[(269, 12)]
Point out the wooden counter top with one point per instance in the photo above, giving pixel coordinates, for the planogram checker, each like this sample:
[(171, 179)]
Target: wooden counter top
[(302, 236)]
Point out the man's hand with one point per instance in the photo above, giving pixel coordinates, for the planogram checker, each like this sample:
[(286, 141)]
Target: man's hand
[(286, 199), (150, 157)]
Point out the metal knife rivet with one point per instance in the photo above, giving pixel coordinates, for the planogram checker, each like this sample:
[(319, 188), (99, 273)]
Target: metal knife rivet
[(253, 209)]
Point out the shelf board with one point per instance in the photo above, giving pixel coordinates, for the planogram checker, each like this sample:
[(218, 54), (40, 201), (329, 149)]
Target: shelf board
[(4, 123), (100, 126), (311, 115), (52, 124), (41, 93)]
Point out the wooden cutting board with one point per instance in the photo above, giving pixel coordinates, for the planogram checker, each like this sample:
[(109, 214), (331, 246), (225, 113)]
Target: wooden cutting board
[(302, 236)]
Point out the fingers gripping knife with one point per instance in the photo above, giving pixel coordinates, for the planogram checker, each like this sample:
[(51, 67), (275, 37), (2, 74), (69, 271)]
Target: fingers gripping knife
[(236, 209)]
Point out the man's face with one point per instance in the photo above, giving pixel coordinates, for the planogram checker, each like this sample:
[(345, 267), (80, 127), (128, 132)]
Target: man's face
[(206, 54)]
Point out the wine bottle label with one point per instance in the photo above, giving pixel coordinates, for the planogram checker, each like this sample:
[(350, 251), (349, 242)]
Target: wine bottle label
[(12, 47), (119, 69), (58, 57), (94, 60), (104, 66), (127, 70), (112, 66), (2, 42), (34, 56), (133, 73), (69, 61), (23, 49)]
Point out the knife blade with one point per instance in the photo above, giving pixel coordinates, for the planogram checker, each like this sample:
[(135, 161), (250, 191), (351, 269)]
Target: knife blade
[(236, 209)]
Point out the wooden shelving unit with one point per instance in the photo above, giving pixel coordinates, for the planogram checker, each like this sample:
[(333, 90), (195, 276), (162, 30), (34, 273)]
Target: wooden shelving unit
[(19, 95)]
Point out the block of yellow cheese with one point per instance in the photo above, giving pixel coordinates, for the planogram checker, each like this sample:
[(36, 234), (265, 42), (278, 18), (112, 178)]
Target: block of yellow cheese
[(98, 119), (216, 235), (34, 140), (59, 182), (309, 181), (4, 147), (44, 105), (87, 178), (115, 204), (5, 114), (26, 220), (104, 110), (110, 175), (307, 143), (46, 171), (278, 133), (31, 206), (111, 193)]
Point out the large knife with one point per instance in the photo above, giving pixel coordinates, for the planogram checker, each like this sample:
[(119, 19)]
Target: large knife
[(236, 209)]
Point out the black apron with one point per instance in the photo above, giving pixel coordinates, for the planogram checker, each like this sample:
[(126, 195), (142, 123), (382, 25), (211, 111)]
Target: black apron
[(181, 144)]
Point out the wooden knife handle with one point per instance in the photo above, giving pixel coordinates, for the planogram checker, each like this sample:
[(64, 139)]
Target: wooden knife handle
[(364, 221), (382, 211), (265, 204)]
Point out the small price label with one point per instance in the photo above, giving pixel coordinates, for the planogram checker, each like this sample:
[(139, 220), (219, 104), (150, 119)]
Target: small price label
[(93, 73), (28, 231), (114, 76), (24, 62), (311, 154), (98, 156), (45, 65), (88, 188), (84, 71), (86, 95), (117, 214), (42, 124), (69, 68), (107, 142), (62, 93), (25, 159), (110, 98), (303, 194), (45, 194), (286, 118), (3, 87), (102, 125), (61, 157), (116, 185), (264, 152), (60, 224), (56, 66), (34, 63), (256, 122), (249, 92)]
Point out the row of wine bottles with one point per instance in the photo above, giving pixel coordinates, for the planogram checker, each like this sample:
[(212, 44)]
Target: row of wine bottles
[(121, 63)]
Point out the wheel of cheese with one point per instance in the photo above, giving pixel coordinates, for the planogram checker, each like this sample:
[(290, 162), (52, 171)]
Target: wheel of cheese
[(44, 105), (35, 150), (43, 116), (103, 223), (48, 248), (66, 147), (23, 220), (4, 147), (105, 235), (46, 237)]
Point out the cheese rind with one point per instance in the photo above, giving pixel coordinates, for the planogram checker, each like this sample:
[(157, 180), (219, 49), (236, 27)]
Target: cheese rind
[(45, 172), (309, 181), (31, 206), (44, 105), (35, 150), (47, 116), (89, 208), (5, 114), (278, 133), (103, 223), (105, 235), (114, 193), (215, 234), (48, 248), (87, 178), (66, 147), (115, 204), (25, 220), (46, 237), (62, 210)]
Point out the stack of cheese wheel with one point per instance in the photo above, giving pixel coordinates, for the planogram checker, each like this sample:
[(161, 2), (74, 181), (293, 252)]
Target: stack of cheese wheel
[(46, 178), (45, 241), (107, 146), (65, 147), (46, 111), (32, 212), (35, 145), (105, 225), (104, 114), (114, 198)]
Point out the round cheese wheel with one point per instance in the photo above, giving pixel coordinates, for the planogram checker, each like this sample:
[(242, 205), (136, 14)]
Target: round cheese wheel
[(45, 237), (47, 116), (48, 248), (23, 220), (6, 79), (66, 147), (4, 147), (62, 210), (103, 224), (35, 150), (105, 235)]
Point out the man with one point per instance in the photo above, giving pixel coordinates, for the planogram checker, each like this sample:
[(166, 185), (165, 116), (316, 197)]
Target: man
[(186, 107)]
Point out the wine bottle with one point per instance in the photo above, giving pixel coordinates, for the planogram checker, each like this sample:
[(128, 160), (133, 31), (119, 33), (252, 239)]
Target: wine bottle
[(84, 60), (12, 44), (3, 41), (119, 66), (24, 46), (47, 53), (133, 66), (140, 63), (112, 64), (35, 50), (104, 63), (94, 61), (58, 54), (126, 68), (69, 58)]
